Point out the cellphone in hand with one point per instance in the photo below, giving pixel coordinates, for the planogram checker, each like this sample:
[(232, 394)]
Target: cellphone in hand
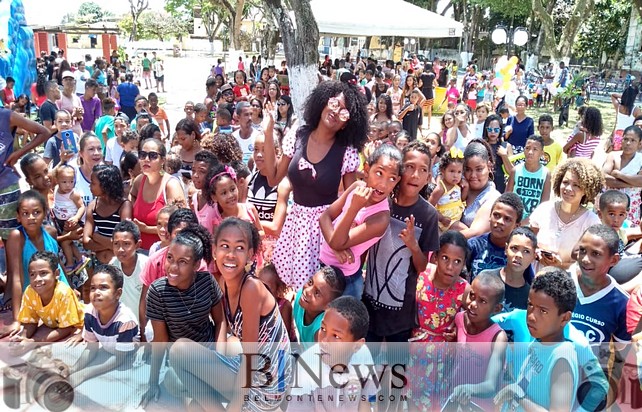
[(68, 140)]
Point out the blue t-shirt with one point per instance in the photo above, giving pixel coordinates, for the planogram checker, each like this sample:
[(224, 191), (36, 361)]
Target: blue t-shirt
[(127, 92), (521, 131), (602, 315), (486, 255), (8, 176), (52, 149), (514, 324), (306, 332)]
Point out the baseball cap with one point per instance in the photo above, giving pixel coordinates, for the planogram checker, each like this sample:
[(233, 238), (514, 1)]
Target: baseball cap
[(67, 73)]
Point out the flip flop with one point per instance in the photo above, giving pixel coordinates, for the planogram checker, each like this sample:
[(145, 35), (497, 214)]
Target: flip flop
[(5, 305)]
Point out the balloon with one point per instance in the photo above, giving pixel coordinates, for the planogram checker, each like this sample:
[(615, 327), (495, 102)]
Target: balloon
[(497, 81), (514, 60)]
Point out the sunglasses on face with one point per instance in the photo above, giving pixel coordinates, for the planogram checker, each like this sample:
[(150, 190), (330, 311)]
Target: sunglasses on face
[(334, 105), (142, 155), (228, 93), (493, 129)]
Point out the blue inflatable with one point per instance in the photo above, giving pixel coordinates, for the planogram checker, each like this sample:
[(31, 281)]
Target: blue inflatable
[(17, 50)]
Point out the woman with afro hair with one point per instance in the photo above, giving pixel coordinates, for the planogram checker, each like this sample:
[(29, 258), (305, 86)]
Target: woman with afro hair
[(559, 223), (318, 158)]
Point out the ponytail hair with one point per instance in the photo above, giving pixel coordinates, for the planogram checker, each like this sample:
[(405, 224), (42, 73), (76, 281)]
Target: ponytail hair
[(197, 238)]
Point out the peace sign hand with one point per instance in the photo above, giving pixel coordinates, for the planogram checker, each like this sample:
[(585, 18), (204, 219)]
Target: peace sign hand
[(407, 235)]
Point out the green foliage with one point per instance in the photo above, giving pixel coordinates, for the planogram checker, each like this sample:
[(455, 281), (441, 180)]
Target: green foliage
[(210, 12), (153, 25), (90, 12), (604, 31), (507, 8)]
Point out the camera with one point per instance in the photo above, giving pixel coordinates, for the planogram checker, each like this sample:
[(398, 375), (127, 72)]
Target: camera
[(41, 379)]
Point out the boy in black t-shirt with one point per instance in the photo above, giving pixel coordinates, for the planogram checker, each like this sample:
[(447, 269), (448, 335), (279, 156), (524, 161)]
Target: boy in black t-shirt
[(520, 253), (410, 114)]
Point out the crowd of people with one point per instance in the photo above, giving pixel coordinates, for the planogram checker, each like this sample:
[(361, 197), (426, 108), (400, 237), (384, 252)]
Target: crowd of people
[(352, 225)]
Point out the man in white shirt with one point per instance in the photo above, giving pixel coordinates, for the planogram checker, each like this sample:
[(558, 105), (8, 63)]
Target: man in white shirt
[(246, 134)]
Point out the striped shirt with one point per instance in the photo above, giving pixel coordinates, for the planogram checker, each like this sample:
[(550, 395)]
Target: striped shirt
[(186, 313), (587, 147), (119, 334), (105, 225)]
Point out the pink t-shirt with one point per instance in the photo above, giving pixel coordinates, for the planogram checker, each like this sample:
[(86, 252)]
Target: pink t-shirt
[(327, 256), (634, 311), (68, 104), (205, 215), (452, 94), (155, 267)]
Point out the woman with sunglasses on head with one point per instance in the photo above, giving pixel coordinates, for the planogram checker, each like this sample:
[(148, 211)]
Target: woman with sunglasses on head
[(493, 133), (152, 190), (317, 158), (460, 134)]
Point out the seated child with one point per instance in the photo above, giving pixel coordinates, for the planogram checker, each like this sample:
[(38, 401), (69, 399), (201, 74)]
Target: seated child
[(68, 211), (126, 241), (552, 382), (521, 250), (162, 219), (277, 287), (479, 379), (341, 341), (596, 290), (515, 325), (108, 325), (613, 207), (48, 301), (311, 301), (488, 251)]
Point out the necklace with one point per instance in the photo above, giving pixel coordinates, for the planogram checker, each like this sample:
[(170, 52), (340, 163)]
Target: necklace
[(189, 310), (571, 219)]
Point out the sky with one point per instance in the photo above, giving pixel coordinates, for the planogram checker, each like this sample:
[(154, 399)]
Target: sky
[(44, 12)]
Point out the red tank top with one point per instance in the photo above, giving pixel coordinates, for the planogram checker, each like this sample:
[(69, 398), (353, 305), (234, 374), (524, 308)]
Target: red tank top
[(146, 213)]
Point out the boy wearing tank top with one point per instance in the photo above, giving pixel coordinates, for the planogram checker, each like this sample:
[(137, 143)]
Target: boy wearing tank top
[(530, 180)]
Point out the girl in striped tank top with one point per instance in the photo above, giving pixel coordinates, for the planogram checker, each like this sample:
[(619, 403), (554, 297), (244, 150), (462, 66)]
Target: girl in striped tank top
[(584, 142), (108, 208)]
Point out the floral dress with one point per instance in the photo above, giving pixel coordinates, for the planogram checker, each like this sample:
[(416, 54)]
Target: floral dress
[(436, 310)]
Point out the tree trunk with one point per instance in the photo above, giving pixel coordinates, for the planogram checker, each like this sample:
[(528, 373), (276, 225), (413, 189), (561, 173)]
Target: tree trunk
[(638, 5), (300, 46), (238, 19), (561, 49)]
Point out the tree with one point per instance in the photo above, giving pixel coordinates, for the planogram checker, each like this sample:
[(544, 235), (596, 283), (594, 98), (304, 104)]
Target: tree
[(89, 12), (603, 33), (161, 26), (559, 43), (300, 46), (136, 7), (155, 25), (212, 16), (235, 10)]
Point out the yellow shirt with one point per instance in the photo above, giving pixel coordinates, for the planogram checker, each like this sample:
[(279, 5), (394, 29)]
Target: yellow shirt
[(63, 311), (553, 155)]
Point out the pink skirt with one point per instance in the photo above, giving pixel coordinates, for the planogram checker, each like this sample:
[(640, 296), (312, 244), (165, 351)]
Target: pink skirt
[(296, 254)]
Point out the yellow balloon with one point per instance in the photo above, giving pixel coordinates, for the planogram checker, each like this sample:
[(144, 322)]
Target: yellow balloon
[(506, 86), (513, 61)]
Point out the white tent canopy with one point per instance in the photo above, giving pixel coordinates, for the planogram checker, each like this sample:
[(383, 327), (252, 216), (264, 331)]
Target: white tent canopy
[(362, 18)]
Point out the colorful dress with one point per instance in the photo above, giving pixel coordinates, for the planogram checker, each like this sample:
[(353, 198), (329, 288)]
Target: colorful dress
[(436, 310), (450, 204), (314, 188)]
